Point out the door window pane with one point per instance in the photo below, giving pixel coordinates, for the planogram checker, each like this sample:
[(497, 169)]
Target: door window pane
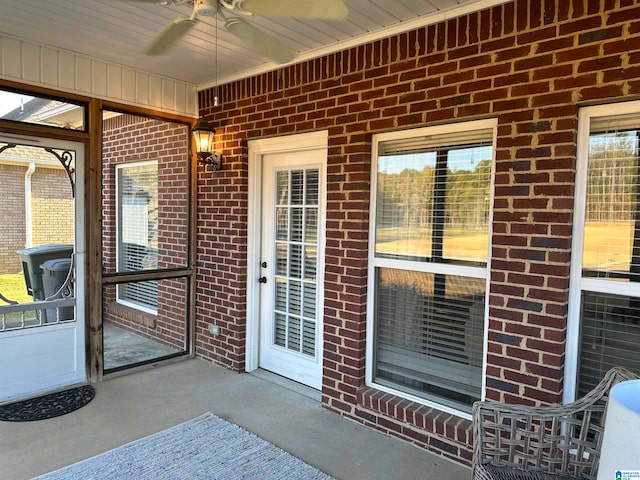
[(296, 260), (312, 187), (37, 260), (296, 224)]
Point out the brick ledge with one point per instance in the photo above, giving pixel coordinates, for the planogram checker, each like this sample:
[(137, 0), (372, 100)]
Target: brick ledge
[(427, 427)]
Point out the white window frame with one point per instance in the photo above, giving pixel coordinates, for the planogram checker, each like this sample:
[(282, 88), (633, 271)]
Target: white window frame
[(427, 267), (577, 284), (119, 300)]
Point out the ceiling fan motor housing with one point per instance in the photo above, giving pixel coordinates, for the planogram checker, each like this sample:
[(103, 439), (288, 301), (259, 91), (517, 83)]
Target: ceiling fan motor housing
[(252, 36), (206, 8)]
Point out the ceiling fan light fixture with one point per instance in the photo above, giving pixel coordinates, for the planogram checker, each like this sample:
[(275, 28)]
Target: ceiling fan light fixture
[(164, 2), (206, 8), (256, 39)]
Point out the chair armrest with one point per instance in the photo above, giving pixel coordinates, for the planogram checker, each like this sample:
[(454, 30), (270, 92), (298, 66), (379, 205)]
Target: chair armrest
[(562, 440)]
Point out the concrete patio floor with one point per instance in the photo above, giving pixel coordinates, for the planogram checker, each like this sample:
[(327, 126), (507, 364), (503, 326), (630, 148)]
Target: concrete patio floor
[(123, 347), (134, 405)]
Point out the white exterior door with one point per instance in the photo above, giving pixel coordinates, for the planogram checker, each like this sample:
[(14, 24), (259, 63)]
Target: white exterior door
[(44, 348), (291, 265)]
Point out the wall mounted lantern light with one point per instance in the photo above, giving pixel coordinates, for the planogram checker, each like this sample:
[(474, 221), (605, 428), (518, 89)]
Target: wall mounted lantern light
[(203, 135)]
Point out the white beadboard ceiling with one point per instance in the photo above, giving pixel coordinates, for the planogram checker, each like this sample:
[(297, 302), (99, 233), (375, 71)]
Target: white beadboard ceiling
[(117, 31)]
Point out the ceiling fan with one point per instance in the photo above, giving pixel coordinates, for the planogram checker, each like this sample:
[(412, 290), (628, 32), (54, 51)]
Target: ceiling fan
[(250, 35)]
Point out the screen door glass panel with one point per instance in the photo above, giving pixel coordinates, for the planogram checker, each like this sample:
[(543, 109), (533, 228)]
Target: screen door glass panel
[(145, 231), (296, 247), (136, 335), (145, 187)]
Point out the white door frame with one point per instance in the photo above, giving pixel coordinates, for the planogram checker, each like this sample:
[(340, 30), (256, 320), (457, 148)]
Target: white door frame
[(257, 149)]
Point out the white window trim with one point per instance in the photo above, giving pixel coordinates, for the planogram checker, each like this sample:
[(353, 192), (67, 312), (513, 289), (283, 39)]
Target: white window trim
[(129, 304), (576, 283), (374, 262), (120, 301)]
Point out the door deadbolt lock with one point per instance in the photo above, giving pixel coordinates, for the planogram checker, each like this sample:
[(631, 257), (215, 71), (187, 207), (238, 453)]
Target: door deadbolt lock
[(262, 280)]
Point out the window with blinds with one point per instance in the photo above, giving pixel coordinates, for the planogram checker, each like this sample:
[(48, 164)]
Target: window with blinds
[(430, 231), (609, 212), (433, 202), (137, 221)]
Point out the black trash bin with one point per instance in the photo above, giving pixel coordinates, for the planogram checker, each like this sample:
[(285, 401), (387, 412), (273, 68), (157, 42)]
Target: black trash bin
[(31, 259), (54, 274)]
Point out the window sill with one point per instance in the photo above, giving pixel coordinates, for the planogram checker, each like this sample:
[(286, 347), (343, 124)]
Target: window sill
[(426, 426)]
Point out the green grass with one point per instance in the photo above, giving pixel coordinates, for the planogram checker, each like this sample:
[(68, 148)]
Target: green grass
[(12, 286)]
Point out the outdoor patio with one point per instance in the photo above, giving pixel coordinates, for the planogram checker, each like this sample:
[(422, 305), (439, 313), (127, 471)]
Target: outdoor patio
[(131, 406)]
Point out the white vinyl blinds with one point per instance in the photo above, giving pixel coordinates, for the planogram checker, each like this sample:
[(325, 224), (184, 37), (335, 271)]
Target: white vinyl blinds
[(429, 334)]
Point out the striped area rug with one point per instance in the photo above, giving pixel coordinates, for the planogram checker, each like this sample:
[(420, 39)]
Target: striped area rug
[(206, 447)]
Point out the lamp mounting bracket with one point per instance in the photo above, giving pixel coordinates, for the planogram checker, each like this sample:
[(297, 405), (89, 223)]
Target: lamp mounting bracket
[(210, 161)]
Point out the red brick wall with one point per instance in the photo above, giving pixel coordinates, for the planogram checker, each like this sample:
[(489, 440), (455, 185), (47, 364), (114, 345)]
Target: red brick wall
[(128, 138), (222, 259), (531, 65)]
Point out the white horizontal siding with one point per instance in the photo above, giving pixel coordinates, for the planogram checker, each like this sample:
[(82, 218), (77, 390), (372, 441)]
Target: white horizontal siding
[(32, 64)]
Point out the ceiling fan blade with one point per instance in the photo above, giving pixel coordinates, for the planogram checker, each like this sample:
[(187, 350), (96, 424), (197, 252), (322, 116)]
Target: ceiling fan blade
[(170, 35), (160, 2), (259, 41), (326, 9)]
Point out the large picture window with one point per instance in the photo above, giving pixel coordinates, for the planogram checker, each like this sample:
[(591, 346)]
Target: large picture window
[(137, 223), (429, 262), (605, 296)]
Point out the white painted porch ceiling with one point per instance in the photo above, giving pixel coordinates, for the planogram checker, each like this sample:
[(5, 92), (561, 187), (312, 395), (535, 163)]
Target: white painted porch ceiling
[(117, 31)]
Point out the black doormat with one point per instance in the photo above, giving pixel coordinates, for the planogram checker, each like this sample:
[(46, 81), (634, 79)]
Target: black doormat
[(47, 406)]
